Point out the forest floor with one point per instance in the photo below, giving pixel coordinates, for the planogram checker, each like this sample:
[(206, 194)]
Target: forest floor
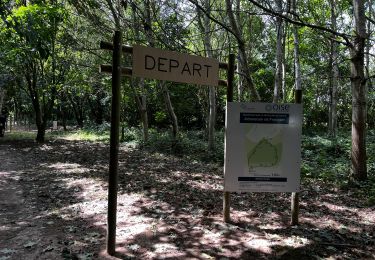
[(53, 201)]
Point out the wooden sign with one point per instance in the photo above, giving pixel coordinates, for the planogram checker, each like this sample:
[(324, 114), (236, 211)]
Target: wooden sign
[(160, 64)]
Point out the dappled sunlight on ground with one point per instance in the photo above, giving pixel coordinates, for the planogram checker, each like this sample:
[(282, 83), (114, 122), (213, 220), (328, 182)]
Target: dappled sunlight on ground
[(168, 207), (68, 167)]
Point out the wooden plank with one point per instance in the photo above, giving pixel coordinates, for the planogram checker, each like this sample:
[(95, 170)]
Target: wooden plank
[(223, 65), (109, 46), (223, 83), (129, 72), (114, 145), (108, 69)]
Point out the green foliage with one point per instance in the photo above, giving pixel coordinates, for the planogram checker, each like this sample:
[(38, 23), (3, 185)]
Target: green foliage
[(326, 159), (98, 129), (190, 144), (88, 135), (18, 135), (37, 24), (160, 117)]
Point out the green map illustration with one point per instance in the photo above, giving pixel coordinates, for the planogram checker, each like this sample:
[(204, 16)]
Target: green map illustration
[(264, 147)]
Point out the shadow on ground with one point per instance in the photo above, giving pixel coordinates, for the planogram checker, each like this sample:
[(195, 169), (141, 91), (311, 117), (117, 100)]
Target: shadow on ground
[(169, 208)]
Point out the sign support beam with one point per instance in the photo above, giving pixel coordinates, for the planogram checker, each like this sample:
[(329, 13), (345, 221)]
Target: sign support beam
[(118, 71), (114, 144), (295, 195)]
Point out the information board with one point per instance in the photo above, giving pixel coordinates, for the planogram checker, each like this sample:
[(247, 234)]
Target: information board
[(262, 147), (160, 64)]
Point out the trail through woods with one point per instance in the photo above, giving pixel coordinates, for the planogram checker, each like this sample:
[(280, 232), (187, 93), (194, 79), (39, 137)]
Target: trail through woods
[(53, 206)]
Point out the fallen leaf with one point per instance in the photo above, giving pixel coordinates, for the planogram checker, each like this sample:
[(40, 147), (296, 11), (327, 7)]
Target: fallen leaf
[(30, 244)]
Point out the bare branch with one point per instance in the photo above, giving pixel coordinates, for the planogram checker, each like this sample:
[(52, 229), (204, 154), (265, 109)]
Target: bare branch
[(370, 20), (194, 2), (303, 24)]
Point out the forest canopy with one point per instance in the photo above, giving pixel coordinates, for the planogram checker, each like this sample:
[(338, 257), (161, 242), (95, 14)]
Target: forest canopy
[(50, 57)]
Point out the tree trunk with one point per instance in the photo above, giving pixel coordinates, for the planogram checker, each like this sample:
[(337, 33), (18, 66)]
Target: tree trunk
[(212, 119), (204, 23), (367, 59), (279, 54), (334, 75), (78, 114), (2, 98), (170, 109), (358, 85), (31, 80), (63, 109), (63, 119), (297, 66), (98, 108), (144, 116), (239, 62), (246, 72), (162, 84), (212, 89), (40, 136), (285, 53), (141, 99), (141, 103)]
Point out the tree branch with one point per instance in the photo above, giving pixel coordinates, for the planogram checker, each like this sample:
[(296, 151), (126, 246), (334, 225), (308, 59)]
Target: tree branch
[(194, 2), (303, 24), (370, 20)]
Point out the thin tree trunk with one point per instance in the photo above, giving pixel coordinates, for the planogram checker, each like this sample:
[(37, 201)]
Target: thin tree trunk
[(206, 30), (141, 103), (141, 99), (170, 109), (2, 98), (162, 84), (334, 75), (297, 66), (63, 109), (285, 54), (31, 79), (239, 66), (144, 117), (246, 72), (77, 111), (116, 19), (358, 84), (367, 57), (63, 119), (279, 54)]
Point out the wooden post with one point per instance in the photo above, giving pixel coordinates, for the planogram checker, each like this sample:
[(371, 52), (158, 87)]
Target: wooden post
[(114, 144), (295, 195), (230, 76)]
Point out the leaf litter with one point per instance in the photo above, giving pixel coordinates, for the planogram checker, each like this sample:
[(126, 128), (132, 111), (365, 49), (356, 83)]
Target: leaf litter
[(168, 207)]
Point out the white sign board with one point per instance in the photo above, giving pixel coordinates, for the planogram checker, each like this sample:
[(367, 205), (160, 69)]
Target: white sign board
[(262, 147), (160, 64)]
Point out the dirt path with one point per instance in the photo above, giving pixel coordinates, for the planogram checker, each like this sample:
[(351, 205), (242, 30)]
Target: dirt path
[(31, 203), (16, 216), (53, 206)]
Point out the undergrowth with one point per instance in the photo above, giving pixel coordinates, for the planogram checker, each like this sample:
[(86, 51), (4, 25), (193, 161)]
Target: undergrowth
[(323, 157)]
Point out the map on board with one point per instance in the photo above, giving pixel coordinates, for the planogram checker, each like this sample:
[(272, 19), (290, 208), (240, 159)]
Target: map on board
[(263, 146)]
